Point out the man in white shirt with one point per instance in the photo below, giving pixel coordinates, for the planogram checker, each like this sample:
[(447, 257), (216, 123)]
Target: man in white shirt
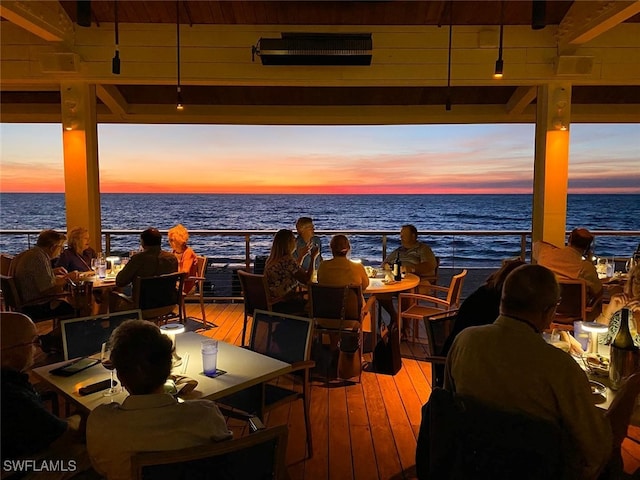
[(508, 366), (148, 419)]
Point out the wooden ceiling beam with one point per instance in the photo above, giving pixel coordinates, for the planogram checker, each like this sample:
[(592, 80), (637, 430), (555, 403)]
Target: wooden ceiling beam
[(587, 20), (47, 20), (522, 97), (113, 99)]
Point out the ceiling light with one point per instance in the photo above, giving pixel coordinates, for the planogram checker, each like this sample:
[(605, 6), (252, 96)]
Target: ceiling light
[(115, 62), (497, 73), (179, 100)]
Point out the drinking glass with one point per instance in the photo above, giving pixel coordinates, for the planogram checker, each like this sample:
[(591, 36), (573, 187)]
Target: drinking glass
[(601, 267), (105, 359)]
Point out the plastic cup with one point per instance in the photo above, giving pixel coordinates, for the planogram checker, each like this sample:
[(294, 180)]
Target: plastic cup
[(209, 357)]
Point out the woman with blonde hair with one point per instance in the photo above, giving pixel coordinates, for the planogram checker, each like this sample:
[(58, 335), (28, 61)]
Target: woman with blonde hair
[(284, 274), (187, 261), (629, 298), (78, 254)]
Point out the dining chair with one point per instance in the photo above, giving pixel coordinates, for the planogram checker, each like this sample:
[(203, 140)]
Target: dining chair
[(438, 327), (286, 338), (574, 305), (258, 455), (256, 296), (340, 311), (421, 306), (197, 291), (461, 437), (5, 263), (157, 297), (12, 300)]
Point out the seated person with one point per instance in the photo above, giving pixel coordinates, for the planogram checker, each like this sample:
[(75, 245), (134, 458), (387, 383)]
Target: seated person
[(568, 262), (187, 261), (482, 307), (284, 274), (148, 419), (305, 241), (416, 257), (150, 262), (29, 430), (37, 282), (630, 299), (508, 366), (340, 270), (78, 254)]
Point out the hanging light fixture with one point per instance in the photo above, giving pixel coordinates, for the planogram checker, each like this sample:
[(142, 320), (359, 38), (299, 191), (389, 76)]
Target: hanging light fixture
[(115, 62), (448, 104), (179, 100), (497, 73)]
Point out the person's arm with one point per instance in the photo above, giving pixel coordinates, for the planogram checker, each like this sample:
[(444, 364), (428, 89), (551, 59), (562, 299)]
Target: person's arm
[(189, 260), (427, 265), (363, 276), (128, 273), (304, 276), (590, 275), (391, 257)]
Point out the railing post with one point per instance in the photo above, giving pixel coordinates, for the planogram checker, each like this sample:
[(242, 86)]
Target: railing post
[(107, 244), (523, 247), (247, 252)]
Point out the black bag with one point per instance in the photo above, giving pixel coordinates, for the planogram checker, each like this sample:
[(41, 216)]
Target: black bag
[(386, 355)]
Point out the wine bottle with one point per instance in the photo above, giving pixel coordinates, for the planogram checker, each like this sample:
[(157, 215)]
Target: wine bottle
[(625, 356), (397, 268)]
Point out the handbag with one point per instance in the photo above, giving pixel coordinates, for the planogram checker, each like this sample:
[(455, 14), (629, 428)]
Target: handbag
[(386, 354)]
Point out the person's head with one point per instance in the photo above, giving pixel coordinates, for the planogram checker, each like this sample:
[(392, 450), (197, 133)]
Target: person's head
[(78, 239), (284, 243), (632, 287), (497, 278), (340, 246), (51, 242), (580, 239), (19, 338), (141, 355), (151, 237), (531, 292), (408, 235), (178, 237), (305, 228)]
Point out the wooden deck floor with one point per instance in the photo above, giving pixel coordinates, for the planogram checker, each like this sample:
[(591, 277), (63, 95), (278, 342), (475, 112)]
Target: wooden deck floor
[(360, 431)]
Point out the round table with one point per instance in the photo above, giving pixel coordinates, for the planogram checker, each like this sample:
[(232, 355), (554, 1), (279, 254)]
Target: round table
[(376, 287)]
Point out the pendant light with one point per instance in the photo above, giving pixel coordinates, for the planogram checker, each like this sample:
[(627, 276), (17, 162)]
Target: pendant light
[(497, 73), (448, 104), (179, 100), (115, 62)]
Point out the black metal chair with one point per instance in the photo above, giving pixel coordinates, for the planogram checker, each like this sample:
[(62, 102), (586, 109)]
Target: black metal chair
[(286, 338), (157, 297), (256, 296)]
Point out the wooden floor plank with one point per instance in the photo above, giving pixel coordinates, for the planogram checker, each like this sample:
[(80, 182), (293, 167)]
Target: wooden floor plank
[(339, 435)]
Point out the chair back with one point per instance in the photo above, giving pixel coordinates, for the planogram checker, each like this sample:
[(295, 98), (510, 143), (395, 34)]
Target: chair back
[(439, 327), (461, 438), (259, 455), (255, 292), (281, 336), (5, 263), (334, 304), (158, 296), (573, 301), (201, 266), (455, 289), (10, 295)]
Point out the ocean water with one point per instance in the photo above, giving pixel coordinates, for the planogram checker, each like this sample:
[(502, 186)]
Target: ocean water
[(19, 211)]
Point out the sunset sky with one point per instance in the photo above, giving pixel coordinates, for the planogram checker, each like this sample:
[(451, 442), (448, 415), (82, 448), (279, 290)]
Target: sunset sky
[(309, 159)]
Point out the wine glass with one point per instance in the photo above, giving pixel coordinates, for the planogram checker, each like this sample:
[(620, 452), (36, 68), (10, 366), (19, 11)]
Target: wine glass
[(105, 359)]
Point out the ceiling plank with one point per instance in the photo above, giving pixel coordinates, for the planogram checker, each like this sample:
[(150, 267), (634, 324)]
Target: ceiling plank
[(113, 99), (522, 97), (586, 20), (47, 20)]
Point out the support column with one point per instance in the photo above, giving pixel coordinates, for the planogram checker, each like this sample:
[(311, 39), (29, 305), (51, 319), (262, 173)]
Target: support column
[(80, 147), (551, 168)]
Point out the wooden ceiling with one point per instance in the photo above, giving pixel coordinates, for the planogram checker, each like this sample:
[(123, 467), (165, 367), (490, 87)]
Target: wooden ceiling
[(221, 84)]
